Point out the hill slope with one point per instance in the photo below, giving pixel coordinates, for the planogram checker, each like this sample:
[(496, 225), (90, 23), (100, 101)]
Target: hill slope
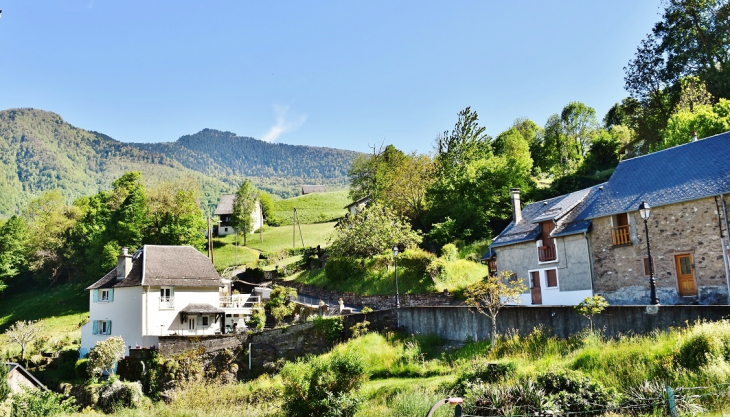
[(39, 151)]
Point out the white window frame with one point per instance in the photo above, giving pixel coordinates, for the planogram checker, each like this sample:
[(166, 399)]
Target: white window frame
[(557, 252), (543, 278), (167, 301), (103, 295), (192, 320)]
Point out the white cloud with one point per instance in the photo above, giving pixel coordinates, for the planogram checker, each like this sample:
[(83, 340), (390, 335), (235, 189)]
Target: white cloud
[(283, 124)]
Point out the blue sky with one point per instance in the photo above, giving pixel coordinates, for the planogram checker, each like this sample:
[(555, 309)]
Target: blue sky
[(342, 74)]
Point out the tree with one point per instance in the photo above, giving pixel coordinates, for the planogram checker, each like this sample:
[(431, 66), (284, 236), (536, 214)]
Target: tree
[(129, 211), (279, 303), (105, 354), (370, 232), (243, 207), (12, 249), (23, 333), (405, 192), (175, 215), (267, 206), (704, 119), (494, 292), (590, 307), (4, 387)]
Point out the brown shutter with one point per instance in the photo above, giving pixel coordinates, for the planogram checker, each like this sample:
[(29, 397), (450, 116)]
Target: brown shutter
[(552, 277)]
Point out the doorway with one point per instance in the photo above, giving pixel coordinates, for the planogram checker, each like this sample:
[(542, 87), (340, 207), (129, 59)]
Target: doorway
[(535, 290), (685, 275)]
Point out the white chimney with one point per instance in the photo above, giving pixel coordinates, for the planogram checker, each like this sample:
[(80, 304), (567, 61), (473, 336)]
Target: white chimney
[(516, 209), (694, 136), (124, 264)]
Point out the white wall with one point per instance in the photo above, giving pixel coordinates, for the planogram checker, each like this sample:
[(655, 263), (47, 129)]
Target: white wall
[(125, 313), (164, 321)]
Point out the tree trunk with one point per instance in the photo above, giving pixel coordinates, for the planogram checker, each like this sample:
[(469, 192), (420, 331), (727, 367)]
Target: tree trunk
[(494, 330)]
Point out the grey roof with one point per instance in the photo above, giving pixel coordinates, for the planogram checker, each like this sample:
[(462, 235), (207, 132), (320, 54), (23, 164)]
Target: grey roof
[(364, 200), (687, 172), (308, 189), (562, 209), (158, 265), (225, 205), (12, 366), (201, 309)]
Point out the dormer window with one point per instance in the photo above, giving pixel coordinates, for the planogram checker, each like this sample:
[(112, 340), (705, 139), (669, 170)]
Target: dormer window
[(546, 245), (620, 232)]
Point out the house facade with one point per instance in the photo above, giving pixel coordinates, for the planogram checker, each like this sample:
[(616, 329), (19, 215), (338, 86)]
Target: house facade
[(224, 211), (19, 379), (357, 206), (158, 291), (548, 249)]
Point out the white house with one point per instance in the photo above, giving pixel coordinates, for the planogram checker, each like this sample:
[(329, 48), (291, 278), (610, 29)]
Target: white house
[(224, 211), (357, 206), (159, 291)]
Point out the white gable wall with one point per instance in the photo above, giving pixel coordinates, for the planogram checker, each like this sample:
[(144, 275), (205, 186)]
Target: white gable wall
[(166, 321)]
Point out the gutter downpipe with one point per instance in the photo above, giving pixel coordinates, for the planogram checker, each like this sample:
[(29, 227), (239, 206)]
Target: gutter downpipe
[(724, 247), (590, 259)]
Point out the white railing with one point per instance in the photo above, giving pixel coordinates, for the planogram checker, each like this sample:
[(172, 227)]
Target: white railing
[(239, 301), (167, 302)]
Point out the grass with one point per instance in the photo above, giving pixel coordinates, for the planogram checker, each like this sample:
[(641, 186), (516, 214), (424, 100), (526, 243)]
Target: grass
[(60, 308), (224, 253), (313, 208)]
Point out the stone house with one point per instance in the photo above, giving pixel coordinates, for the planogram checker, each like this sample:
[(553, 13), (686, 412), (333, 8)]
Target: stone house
[(224, 211), (548, 247), (686, 187), (161, 291)]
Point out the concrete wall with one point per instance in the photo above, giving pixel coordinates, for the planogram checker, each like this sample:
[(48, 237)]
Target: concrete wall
[(459, 323), (684, 228), (572, 264)]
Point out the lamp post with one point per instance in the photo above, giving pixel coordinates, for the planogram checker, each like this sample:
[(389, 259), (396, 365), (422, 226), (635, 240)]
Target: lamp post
[(645, 212), (395, 257)]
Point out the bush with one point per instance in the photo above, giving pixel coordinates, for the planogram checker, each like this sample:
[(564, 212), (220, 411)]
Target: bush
[(329, 327), (342, 269), (82, 368), (416, 260), (450, 252), (323, 386), (118, 394), (575, 393), (436, 269), (482, 371), (258, 319), (36, 403), (703, 344)]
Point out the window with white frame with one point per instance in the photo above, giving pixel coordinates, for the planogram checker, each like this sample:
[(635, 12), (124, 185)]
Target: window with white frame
[(102, 327), (166, 294), (104, 296), (191, 322), (544, 278)]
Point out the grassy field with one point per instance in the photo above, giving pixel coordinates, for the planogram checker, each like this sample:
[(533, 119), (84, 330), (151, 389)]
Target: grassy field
[(313, 208)]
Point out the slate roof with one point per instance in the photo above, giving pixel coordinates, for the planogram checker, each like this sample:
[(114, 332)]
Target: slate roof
[(562, 209), (364, 200), (158, 265), (683, 173), (201, 309), (225, 205)]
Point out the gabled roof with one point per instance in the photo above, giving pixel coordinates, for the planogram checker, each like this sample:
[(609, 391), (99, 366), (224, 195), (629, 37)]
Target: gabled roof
[(225, 205), (363, 200), (562, 209), (16, 367), (157, 265), (683, 173)]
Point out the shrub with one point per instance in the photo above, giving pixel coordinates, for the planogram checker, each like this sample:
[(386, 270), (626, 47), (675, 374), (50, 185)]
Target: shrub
[(323, 386), (4, 387), (705, 343), (450, 252), (82, 368), (329, 327), (590, 307), (436, 269), (117, 394), (575, 393), (416, 260), (342, 269), (36, 403), (523, 397), (105, 354), (258, 319), (482, 371)]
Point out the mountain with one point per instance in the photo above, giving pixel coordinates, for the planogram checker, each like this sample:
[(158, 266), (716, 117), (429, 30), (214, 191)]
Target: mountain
[(39, 151)]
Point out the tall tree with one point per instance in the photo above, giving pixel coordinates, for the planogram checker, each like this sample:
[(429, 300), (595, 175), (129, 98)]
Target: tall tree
[(13, 249), (406, 189), (243, 207), (175, 215), (129, 217)]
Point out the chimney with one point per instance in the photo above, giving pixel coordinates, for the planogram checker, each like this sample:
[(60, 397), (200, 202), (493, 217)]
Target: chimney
[(694, 136), (516, 208), (124, 264)]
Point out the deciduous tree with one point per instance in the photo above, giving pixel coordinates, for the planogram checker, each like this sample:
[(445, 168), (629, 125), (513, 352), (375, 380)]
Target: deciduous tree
[(494, 292), (243, 207), (105, 354), (23, 333)]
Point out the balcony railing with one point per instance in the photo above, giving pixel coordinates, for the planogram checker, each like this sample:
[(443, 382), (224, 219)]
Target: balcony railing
[(239, 301), (167, 302), (546, 253), (621, 235)]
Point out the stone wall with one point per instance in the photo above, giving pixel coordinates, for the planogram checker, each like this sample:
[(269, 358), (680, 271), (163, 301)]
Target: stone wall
[(463, 323), (289, 343), (376, 302), (172, 345), (684, 228)]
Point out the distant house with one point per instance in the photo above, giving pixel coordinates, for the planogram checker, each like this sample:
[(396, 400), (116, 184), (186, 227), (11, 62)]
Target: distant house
[(19, 378), (160, 291), (358, 205), (546, 246), (224, 211), (310, 189)]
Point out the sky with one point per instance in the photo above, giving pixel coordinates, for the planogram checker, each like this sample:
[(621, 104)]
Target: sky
[(342, 74)]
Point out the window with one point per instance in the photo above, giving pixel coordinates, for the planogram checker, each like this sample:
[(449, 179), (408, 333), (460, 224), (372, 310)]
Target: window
[(620, 233), (205, 321), (102, 327), (104, 296), (647, 270), (552, 277), (165, 293)]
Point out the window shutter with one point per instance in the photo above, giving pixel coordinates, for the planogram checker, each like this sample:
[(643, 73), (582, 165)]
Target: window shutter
[(95, 295), (95, 328), (172, 292), (552, 277), (108, 327), (111, 294), (200, 321)]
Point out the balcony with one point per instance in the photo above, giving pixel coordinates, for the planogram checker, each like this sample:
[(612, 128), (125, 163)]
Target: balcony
[(239, 301), (621, 235), (546, 253), (167, 303)]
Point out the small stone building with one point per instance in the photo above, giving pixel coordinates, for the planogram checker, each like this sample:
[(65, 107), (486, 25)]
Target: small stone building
[(686, 187), (20, 379)]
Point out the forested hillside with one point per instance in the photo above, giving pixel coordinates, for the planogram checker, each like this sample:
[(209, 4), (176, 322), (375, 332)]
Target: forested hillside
[(39, 152), (224, 154)]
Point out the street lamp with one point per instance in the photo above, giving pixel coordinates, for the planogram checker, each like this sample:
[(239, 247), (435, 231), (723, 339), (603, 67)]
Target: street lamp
[(645, 212), (395, 257)]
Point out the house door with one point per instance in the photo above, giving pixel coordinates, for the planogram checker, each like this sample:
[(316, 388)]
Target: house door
[(685, 275), (535, 288)]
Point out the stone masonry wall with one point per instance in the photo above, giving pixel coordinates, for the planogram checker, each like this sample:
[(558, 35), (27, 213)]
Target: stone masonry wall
[(683, 228), (171, 345), (376, 302)]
